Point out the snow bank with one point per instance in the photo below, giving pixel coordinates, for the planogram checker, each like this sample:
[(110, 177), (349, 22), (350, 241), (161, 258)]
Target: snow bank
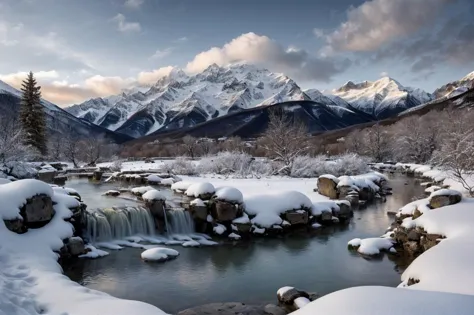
[(268, 207), (199, 189), (31, 280), (181, 186), (153, 195), (445, 192), (388, 301), (368, 180), (371, 246), (4, 181), (242, 220), (14, 195), (154, 178), (319, 207), (420, 205), (198, 203), (159, 254), (141, 190), (447, 266), (277, 202), (230, 194)]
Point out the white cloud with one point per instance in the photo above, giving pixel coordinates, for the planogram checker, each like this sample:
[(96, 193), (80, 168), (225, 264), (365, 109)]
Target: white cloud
[(133, 4), (318, 32), (107, 85), (377, 22), (181, 40), (162, 53), (124, 26), (262, 50), (8, 33), (57, 46), (150, 77), (384, 74)]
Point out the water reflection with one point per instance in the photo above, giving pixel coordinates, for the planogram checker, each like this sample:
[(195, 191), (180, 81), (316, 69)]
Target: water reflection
[(252, 271)]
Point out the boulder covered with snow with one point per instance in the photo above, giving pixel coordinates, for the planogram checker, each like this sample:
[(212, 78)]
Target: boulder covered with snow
[(288, 295), (202, 191), (229, 194), (159, 254), (198, 209), (181, 186), (444, 197), (75, 246), (372, 246), (139, 191), (327, 186), (153, 179), (226, 204)]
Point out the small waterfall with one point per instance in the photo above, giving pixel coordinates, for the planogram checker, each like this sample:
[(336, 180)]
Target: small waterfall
[(109, 224), (180, 222)]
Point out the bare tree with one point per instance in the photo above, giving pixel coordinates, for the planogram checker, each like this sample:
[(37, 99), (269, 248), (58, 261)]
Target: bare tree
[(354, 142), (377, 143), (457, 150), (72, 148), (284, 139), (233, 144), (92, 149), (11, 141), (190, 145), (206, 146), (416, 138)]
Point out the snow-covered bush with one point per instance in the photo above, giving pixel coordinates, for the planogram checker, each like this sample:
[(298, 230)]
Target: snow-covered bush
[(116, 166), (180, 166), (236, 163), (347, 164)]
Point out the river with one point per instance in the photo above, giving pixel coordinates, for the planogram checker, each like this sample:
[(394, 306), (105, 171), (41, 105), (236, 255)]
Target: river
[(247, 271)]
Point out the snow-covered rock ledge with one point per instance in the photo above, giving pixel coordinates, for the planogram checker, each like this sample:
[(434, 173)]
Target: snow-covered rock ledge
[(439, 281), (31, 280), (356, 189), (226, 211)]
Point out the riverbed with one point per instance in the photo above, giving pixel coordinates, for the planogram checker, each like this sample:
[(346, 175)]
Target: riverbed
[(247, 271)]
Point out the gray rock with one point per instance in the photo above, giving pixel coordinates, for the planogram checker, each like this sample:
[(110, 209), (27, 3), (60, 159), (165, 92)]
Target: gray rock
[(38, 211), (97, 175), (297, 217), (16, 226), (289, 296), (231, 308), (327, 187), (243, 228), (75, 246), (274, 310), (444, 200), (47, 177), (156, 207), (326, 217), (198, 212), (223, 211), (413, 235)]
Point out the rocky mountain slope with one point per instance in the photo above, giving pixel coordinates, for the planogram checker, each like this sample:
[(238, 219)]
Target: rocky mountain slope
[(58, 120), (180, 101), (455, 88), (382, 98), (249, 123)]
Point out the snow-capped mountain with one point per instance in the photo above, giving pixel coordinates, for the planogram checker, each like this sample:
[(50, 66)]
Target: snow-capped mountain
[(382, 98), (58, 120), (179, 100), (455, 88)]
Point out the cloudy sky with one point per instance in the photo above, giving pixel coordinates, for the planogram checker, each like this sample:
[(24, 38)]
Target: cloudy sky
[(87, 48)]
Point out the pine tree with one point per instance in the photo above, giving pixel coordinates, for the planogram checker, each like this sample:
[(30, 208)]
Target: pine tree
[(32, 115)]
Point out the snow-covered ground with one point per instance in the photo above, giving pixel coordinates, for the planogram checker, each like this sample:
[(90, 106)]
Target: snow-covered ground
[(438, 175), (31, 280)]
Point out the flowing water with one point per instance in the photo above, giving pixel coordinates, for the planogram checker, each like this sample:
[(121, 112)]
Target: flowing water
[(251, 272)]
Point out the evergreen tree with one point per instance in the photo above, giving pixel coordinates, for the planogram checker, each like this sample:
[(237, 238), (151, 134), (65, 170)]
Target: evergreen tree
[(32, 115)]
